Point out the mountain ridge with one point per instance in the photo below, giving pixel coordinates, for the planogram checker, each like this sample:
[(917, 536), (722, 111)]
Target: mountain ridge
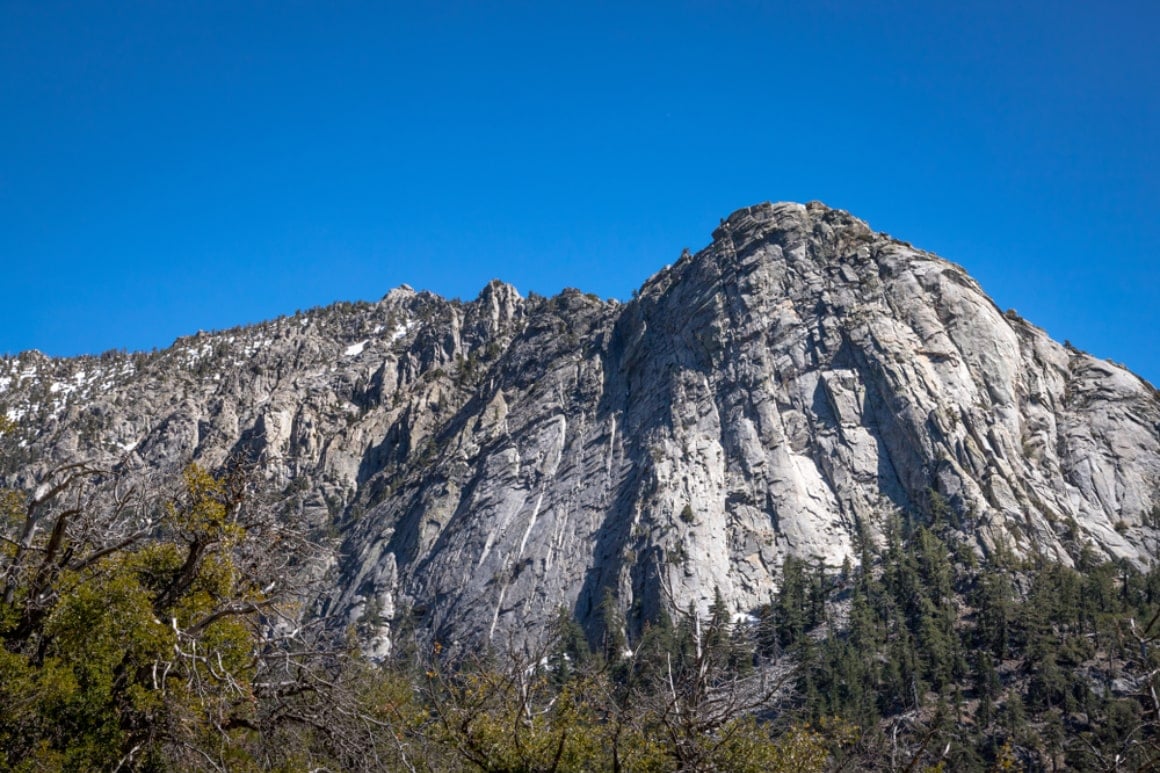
[(481, 464)]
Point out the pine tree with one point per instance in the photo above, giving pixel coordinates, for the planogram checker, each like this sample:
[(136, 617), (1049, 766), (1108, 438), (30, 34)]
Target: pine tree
[(790, 609)]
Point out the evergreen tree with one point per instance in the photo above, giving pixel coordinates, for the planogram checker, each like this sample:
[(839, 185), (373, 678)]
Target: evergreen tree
[(791, 608)]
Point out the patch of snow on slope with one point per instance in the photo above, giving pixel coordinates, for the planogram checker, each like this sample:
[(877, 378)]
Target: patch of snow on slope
[(355, 349), (257, 345), (402, 330)]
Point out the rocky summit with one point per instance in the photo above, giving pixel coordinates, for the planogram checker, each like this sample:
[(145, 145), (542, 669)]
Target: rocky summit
[(475, 467)]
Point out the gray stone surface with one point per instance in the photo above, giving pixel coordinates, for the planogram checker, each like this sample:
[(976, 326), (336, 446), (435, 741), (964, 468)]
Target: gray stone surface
[(476, 466)]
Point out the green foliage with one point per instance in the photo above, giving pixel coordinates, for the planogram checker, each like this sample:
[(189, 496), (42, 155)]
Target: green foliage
[(135, 633), (986, 673)]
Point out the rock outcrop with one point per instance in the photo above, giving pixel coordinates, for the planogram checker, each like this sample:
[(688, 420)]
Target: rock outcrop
[(480, 465)]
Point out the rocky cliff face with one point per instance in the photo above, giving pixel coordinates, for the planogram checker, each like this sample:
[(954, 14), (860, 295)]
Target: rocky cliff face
[(476, 466)]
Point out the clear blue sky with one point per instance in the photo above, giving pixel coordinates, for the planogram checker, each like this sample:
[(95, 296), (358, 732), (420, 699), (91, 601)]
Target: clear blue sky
[(167, 167)]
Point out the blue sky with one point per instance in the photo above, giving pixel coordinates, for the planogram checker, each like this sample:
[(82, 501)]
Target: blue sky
[(168, 167)]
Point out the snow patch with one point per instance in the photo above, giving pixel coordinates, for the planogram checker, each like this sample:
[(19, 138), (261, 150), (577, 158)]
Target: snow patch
[(255, 346), (355, 349), (402, 330)]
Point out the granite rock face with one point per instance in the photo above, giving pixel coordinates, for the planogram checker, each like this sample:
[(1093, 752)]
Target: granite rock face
[(477, 466)]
